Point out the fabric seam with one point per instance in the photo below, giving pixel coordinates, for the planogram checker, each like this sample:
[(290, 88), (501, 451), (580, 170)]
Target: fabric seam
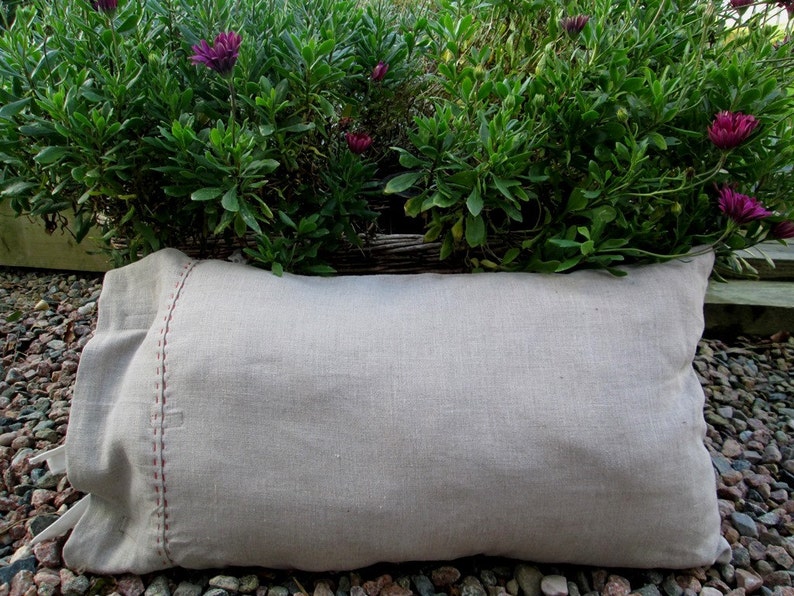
[(160, 397)]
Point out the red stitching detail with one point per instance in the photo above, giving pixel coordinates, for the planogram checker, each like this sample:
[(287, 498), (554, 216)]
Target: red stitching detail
[(160, 387)]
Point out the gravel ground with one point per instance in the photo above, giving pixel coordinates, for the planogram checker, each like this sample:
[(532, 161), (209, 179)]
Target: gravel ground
[(46, 319)]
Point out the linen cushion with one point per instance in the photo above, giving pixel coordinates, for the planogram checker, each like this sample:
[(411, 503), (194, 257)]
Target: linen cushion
[(226, 416)]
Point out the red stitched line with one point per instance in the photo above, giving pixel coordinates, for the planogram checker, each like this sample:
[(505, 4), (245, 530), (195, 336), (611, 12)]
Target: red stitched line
[(158, 446)]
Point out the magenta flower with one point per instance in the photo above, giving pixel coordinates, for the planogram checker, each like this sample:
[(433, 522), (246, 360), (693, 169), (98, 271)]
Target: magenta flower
[(741, 5), (731, 129), (358, 142), (574, 25), (379, 71), (222, 56), (106, 6), (741, 208), (783, 230)]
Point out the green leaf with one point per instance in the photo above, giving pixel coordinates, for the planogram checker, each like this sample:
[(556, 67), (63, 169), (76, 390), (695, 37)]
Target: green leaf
[(206, 194), (658, 140), (10, 110), (474, 202), (511, 255), (229, 200), (50, 155), (563, 243), (321, 269), (287, 220), (277, 269), (475, 230), (402, 182)]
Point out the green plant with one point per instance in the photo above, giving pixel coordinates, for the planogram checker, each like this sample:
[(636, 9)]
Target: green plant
[(521, 135)]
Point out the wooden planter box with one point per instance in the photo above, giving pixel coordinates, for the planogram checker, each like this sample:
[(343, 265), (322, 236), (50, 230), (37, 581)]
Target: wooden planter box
[(25, 243)]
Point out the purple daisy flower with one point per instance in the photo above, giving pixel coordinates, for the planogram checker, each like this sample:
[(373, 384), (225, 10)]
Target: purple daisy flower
[(380, 71), (731, 129), (741, 208), (783, 230), (358, 142), (574, 25), (221, 56), (106, 6)]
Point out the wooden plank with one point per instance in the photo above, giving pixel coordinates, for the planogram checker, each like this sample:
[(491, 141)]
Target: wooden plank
[(24, 243), (750, 307), (782, 255)]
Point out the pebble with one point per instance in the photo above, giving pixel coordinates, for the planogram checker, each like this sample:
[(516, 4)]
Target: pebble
[(554, 585), (225, 582), (132, 585), (423, 585), (616, 586), (748, 580), (709, 591), (187, 589), (216, 592), (249, 583), (48, 553), (529, 579), (158, 587), (445, 576), (470, 586), (744, 524), (72, 584)]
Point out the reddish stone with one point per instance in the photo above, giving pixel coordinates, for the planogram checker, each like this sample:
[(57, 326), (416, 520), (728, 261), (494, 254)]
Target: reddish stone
[(21, 583), (47, 577), (687, 582), (748, 580), (67, 497), (731, 477), (444, 576), (41, 496), (616, 586), (395, 589), (48, 553), (777, 578)]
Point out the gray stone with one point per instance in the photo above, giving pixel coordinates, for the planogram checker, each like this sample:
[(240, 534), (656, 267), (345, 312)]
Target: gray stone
[(709, 591), (279, 591), (471, 586), (721, 463), (8, 572), (529, 579), (740, 556), (488, 577), (649, 590), (132, 585), (158, 587), (744, 524), (248, 584), (322, 589), (216, 592), (554, 585), (512, 587), (73, 585), (423, 585), (225, 582), (770, 519), (40, 522), (671, 587), (187, 589)]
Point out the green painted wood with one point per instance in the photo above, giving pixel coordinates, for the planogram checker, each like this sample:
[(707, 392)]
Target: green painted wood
[(750, 307), (25, 243), (782, 255)]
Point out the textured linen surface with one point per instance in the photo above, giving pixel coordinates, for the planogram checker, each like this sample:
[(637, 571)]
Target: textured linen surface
[(226, 416)]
